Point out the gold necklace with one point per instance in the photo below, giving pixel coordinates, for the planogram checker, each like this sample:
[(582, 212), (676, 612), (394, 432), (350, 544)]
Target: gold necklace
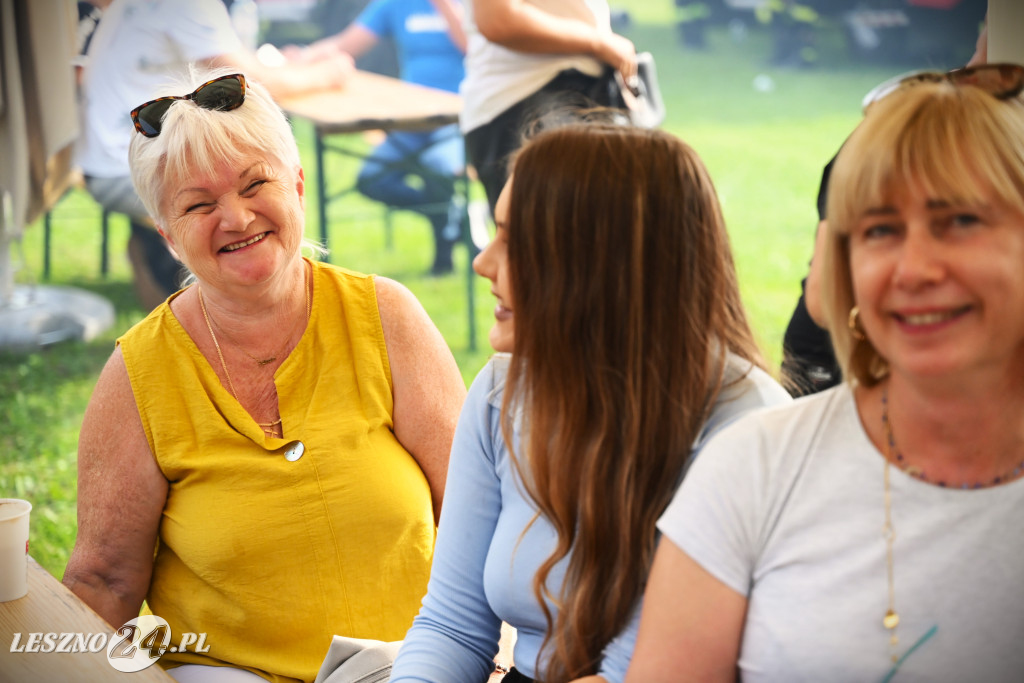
[(266, 361), (892, 455), (891, 619), (269, 428)]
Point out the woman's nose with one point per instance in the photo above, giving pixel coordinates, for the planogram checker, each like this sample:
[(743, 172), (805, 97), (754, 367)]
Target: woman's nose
[(235, 215), (920, 259), (482, 262)]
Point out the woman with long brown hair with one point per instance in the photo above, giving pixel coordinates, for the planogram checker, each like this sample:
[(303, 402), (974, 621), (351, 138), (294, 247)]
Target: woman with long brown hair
[(617, 299)]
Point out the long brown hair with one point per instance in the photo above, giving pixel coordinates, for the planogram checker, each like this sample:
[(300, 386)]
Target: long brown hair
[(626, 303)]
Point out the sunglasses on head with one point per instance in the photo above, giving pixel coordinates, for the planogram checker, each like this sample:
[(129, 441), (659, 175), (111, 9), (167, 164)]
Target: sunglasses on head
[(220, 94), (1002, 81)]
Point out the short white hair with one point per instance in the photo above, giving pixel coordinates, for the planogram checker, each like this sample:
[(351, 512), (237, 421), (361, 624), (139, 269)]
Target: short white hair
[(195, 140)]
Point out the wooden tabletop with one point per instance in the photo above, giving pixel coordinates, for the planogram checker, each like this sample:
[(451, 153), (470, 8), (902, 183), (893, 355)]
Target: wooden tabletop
[(48, 608), (370, 101)]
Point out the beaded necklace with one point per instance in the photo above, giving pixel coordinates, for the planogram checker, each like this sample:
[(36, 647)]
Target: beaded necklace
[(913, 470)]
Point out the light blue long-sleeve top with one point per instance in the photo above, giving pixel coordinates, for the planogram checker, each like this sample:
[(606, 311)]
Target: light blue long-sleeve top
[(484, 564)]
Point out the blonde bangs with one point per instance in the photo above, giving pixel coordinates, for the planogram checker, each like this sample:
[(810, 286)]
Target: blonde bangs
[(956, 143)]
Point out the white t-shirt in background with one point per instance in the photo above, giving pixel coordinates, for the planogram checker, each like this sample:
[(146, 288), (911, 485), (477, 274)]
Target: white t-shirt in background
[(136, 45)]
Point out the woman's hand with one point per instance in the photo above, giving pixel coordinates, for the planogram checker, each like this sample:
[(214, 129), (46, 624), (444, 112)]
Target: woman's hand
[(121, 496), (619, 52)]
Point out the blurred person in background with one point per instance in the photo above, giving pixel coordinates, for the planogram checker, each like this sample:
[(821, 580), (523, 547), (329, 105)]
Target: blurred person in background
[(430, 42), (525, 58), (136, 44)]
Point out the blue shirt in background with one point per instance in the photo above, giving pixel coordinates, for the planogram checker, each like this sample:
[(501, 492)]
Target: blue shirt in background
[(426, 54)]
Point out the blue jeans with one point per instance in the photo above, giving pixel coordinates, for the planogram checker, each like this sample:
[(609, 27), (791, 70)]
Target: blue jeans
[(433, 158)]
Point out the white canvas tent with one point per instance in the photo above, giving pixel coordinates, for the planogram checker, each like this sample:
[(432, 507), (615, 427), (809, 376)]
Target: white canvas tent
[(38, 124)]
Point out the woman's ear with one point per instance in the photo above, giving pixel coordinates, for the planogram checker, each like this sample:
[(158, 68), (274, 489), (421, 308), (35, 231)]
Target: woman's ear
[(170, 241), (300, 187)]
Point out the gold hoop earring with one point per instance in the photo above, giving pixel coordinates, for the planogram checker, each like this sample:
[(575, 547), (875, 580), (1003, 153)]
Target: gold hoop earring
[(853, 322)]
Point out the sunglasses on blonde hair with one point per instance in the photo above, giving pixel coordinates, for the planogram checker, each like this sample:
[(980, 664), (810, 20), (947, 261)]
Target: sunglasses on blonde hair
[(220, 94), (1002, 81)]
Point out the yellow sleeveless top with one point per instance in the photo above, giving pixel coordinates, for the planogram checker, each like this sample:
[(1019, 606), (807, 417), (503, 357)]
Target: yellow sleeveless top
[(270, 557)]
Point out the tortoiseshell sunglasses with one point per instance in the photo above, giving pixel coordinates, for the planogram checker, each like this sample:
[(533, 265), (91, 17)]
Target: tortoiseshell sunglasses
[(220, 94), (1002, 81)]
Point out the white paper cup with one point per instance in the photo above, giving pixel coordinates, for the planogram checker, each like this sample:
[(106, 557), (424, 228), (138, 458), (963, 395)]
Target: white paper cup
[(13, 548)]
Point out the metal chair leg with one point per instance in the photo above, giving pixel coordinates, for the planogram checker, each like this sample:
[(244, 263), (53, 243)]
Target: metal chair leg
[(47, 228), (105, 244)]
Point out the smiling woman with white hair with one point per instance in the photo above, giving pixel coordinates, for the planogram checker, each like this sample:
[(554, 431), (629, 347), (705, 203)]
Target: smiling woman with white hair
[(278, 430)]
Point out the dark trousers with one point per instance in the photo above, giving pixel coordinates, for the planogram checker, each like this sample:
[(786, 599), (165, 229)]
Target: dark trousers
[(514, 676), (489, 147), (808, 363)]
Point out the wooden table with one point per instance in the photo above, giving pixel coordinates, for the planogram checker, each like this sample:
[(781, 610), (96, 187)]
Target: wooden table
[(49, 607), (368, 102)]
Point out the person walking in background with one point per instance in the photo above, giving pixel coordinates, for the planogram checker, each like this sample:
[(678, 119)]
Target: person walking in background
[(135, 45), (525, 57), (430, 40)]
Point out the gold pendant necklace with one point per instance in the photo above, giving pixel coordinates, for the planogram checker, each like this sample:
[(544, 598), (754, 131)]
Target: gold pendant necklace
[(891, 619), (266, 361), (269, 428)]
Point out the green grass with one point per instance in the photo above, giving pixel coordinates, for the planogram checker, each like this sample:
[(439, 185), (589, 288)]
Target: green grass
[(765, 151)]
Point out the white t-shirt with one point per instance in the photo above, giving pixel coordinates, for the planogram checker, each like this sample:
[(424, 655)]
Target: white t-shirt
[(136, 45), (497, 77), (786, 507)]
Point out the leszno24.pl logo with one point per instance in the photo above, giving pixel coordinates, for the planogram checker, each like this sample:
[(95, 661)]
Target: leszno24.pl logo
[(133, 647)]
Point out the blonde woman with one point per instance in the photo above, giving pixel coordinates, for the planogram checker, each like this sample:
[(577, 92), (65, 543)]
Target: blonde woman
[(871, 532)]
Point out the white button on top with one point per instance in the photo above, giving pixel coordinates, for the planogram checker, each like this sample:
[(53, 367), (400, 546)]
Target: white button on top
[(294, 451)]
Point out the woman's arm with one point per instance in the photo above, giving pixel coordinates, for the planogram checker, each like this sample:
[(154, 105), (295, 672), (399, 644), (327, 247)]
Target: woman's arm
[(455, 636), (427, 386), (529, 27), (980, 55), (121, 495), (331, 71), (453, 15), (355, 40), (691, 624)]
